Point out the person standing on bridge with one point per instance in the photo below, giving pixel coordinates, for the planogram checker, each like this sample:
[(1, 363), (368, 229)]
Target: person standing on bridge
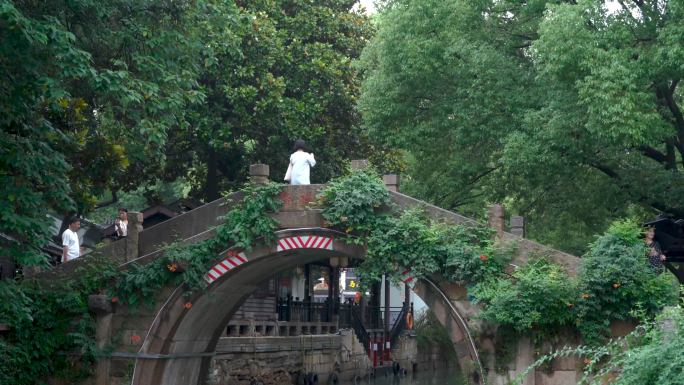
[(655, 254), (70, 243), (121, 223), (300, 164)]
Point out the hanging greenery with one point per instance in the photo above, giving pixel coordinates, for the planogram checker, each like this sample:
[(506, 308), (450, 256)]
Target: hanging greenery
[(652, 354), (539, 298), (52, 334), (246, 225), (51, 330), (398, 239)]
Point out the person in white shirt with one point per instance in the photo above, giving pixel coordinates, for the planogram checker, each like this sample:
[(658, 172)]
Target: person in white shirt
[(121, 223), (71, 245), (300, 164)]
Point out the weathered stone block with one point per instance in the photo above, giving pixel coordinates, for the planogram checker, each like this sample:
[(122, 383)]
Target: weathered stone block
[(495, 219), (298, 219), (259, 173), (391, 182)]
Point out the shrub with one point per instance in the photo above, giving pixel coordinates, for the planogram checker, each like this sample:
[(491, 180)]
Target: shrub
[(538, 296), (615, 279)]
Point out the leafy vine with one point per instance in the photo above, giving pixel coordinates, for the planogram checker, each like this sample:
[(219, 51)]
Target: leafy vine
[(399, 240), (52, 333)]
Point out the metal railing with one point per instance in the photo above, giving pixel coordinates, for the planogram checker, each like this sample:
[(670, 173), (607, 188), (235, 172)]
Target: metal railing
[(290, 310)]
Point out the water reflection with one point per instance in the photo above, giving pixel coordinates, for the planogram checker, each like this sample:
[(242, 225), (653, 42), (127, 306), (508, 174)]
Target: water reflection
[(420, 378)]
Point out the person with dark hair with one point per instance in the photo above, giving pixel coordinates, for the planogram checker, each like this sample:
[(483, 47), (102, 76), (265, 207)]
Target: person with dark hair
[(121, 223), (70, 243), (300, 164), (655, 254)]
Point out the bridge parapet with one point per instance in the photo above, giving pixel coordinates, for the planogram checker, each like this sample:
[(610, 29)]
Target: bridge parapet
[(525, 248), (186, 225)]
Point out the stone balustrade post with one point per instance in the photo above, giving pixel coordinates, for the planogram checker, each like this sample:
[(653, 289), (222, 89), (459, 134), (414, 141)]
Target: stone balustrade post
[(259, 173), (518, 225), (495, 219), (102, 306), (135, 221), (391, 182)]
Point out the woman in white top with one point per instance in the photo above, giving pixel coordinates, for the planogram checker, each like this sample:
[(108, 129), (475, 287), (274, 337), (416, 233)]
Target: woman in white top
[(300, 164)]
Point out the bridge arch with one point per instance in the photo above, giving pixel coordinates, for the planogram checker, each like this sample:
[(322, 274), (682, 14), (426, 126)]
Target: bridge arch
[(181, 340)]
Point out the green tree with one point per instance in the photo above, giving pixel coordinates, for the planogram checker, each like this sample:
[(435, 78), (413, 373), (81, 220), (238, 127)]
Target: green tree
[(92, 88), (567, 111), (33, 172), (283, 71)]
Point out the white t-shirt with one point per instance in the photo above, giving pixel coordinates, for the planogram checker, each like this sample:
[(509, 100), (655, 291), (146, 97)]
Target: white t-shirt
[(70, 240), (122, 228), (301, 163)]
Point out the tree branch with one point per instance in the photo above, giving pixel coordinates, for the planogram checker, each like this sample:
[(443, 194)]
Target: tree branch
[(606, 170), (654, 154), (676, 113), (482, 175)]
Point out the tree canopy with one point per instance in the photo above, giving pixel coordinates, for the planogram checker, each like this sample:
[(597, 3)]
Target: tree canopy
[(569, 112), (102, 97)]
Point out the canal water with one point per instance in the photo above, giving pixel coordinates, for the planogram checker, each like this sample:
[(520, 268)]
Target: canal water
[(421, 378)]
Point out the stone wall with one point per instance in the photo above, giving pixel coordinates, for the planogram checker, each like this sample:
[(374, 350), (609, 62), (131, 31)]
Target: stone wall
[(405, 351), (522, 353), (354, 360), (525, 247), (280, 360), (433, 359)]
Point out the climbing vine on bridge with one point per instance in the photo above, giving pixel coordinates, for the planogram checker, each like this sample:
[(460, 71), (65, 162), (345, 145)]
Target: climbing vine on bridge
[(246, 225), (615, 282), (51, 331), (404, 242), (538, 298)]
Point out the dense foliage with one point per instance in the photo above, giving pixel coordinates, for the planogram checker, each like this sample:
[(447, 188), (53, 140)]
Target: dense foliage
[(538, 296), (615, 281), (51, 330), (569, 111), (652, 354), (52, 333), (397, 240), (105, 97)]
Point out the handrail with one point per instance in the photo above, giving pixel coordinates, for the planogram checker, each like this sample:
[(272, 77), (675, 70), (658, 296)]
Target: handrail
[(359, 329), (399, 324)]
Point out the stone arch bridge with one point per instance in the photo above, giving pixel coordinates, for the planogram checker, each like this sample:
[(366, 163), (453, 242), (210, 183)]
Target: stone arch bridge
[(170, 344)]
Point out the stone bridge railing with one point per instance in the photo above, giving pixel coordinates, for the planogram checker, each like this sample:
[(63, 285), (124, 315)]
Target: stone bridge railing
[(198, 224)]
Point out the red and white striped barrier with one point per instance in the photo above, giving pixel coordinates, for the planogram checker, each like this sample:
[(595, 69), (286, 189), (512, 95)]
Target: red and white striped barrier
[(408, 278), (305, 242), (232, 261)]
